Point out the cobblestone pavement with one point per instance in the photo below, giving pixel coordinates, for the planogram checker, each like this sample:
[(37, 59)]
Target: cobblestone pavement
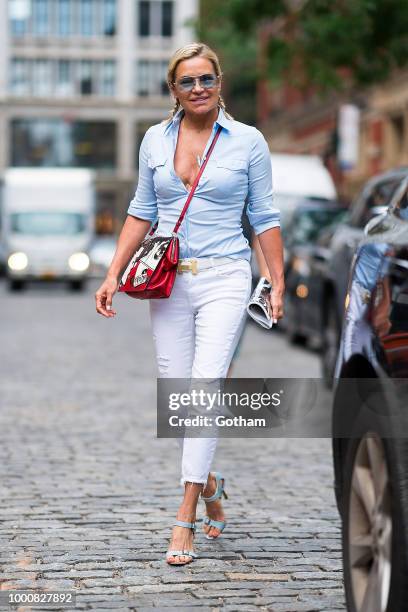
[(88, 493)]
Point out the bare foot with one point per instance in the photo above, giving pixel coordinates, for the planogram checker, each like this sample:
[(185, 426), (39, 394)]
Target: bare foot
[(182, 539), (214, 509)]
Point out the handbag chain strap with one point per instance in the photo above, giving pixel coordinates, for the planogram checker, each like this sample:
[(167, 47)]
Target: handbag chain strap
[(193, 188)]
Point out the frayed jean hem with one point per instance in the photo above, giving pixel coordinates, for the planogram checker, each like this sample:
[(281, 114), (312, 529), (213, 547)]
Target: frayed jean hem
[(193, 480)]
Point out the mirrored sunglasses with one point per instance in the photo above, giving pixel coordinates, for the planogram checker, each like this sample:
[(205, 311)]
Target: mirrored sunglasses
[(207, 81)]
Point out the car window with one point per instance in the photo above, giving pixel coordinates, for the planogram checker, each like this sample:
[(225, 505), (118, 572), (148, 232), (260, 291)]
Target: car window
[(401, 208), (309, 223), (373, 201)]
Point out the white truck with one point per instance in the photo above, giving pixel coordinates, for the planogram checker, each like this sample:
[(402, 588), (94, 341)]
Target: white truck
[(47, 224)]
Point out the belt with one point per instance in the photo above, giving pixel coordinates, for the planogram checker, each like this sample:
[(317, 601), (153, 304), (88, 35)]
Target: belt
[(196, 265)]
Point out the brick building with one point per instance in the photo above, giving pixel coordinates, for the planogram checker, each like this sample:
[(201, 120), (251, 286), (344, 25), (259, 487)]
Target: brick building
[(296, 122)]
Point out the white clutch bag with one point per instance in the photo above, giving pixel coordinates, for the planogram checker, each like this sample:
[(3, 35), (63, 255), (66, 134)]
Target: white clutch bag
[(259, 307)]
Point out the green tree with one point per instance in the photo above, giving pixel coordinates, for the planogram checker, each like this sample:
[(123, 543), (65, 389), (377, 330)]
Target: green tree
[(326, 44)]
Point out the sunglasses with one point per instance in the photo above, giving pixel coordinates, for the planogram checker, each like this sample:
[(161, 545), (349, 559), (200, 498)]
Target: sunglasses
[(207, 81)]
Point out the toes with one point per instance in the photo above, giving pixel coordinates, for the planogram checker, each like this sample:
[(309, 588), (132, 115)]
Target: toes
[(176, 560)]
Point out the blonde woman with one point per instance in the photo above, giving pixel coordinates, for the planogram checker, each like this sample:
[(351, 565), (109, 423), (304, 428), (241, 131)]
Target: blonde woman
[(198, 327)]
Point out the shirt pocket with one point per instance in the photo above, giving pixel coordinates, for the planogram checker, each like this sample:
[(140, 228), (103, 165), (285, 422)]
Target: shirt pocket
[(235, 165), (156, 160)]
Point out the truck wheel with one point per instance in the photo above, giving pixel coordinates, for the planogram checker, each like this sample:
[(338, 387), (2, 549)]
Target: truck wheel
[(77, 285), (374, 524), (16, 284)]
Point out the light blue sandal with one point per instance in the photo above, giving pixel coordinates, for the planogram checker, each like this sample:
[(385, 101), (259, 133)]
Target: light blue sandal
[(220, 480), (182, 553)]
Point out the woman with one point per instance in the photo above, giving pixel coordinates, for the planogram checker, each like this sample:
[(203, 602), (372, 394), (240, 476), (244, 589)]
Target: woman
[(197, 328)]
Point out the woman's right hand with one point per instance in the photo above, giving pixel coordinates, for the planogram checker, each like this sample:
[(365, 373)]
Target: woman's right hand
[(104, 296)]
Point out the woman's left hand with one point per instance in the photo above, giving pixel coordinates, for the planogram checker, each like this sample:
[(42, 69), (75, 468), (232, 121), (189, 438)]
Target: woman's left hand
[(276, 300)]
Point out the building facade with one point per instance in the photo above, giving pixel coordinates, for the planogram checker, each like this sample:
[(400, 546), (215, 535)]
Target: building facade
[(82, 80), (302, 122)]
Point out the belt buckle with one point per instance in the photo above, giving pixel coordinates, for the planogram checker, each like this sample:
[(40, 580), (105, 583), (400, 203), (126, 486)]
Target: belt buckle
[(187, 266)]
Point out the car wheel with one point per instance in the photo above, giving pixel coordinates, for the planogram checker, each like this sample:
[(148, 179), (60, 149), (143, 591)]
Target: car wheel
[(375, 523), (330, 342)]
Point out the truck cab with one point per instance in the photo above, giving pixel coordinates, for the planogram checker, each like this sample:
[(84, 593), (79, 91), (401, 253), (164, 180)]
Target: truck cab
[(47, 225)]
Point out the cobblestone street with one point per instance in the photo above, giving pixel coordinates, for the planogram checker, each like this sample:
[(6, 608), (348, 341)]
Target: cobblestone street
[(89, 494)]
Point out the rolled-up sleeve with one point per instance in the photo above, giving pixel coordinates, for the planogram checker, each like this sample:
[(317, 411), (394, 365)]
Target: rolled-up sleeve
[(261, 213), (144, 203)]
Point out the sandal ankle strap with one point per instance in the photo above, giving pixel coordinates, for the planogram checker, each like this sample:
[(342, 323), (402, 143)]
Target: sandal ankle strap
[(191, 526), (219, 490)]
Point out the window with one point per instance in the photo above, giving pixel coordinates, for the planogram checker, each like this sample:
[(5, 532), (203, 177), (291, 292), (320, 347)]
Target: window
[(41, 17), (86, 81), (155, 18), (62, 77), (86, 17), (55, 142), (19, 79), (107, 80), (42, 78), (151, 78), (144, 18), (65, 84), (62, 17), (167, 19), (143, 78), (109, 17), (19, 15), (48, 223), (373, 201)]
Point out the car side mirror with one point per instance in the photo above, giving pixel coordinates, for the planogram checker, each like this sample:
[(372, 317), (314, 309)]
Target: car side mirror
[(374, 225)]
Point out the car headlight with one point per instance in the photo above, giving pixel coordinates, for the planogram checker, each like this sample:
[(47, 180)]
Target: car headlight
[(79, 262), (17, 261)]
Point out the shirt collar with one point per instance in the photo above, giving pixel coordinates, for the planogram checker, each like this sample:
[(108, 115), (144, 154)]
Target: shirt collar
[(221, 120)]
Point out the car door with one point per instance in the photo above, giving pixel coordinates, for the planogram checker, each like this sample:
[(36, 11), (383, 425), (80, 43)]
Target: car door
[(372, 201)]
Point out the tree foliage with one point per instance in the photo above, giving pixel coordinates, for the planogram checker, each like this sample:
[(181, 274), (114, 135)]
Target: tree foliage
[(320, 43)]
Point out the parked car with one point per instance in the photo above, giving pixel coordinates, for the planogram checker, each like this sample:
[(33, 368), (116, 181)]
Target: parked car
[(373, 200), (307, 233), (296, 177), (370, 416)]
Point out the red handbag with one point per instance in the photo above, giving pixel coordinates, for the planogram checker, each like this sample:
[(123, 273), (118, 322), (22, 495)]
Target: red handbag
[(152, 270)]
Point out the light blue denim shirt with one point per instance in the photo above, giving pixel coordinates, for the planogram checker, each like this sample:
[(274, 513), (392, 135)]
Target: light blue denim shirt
[(238, 169)]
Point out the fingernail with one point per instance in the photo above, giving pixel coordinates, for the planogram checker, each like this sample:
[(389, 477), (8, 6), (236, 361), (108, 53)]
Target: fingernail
[(275, 320), (108, 307)]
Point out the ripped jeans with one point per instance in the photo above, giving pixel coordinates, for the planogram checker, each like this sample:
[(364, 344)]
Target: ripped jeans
[(196, 331)]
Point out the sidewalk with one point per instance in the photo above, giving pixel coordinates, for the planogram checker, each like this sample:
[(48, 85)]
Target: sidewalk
[(88, 494)]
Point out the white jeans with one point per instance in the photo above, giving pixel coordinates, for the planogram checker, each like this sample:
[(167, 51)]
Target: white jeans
[(195, 332)]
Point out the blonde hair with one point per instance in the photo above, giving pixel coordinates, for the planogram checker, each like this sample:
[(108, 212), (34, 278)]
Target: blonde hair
[(187, 52)]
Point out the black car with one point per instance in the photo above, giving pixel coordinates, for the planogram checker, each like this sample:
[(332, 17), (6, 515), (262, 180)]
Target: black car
[(370, 414), (374, 199), (306, 242)]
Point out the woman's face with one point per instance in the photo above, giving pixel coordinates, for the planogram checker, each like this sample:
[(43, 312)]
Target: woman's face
[(199, 100)]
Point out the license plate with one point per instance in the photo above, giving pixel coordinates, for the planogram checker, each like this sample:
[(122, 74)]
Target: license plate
[(48, 275)]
